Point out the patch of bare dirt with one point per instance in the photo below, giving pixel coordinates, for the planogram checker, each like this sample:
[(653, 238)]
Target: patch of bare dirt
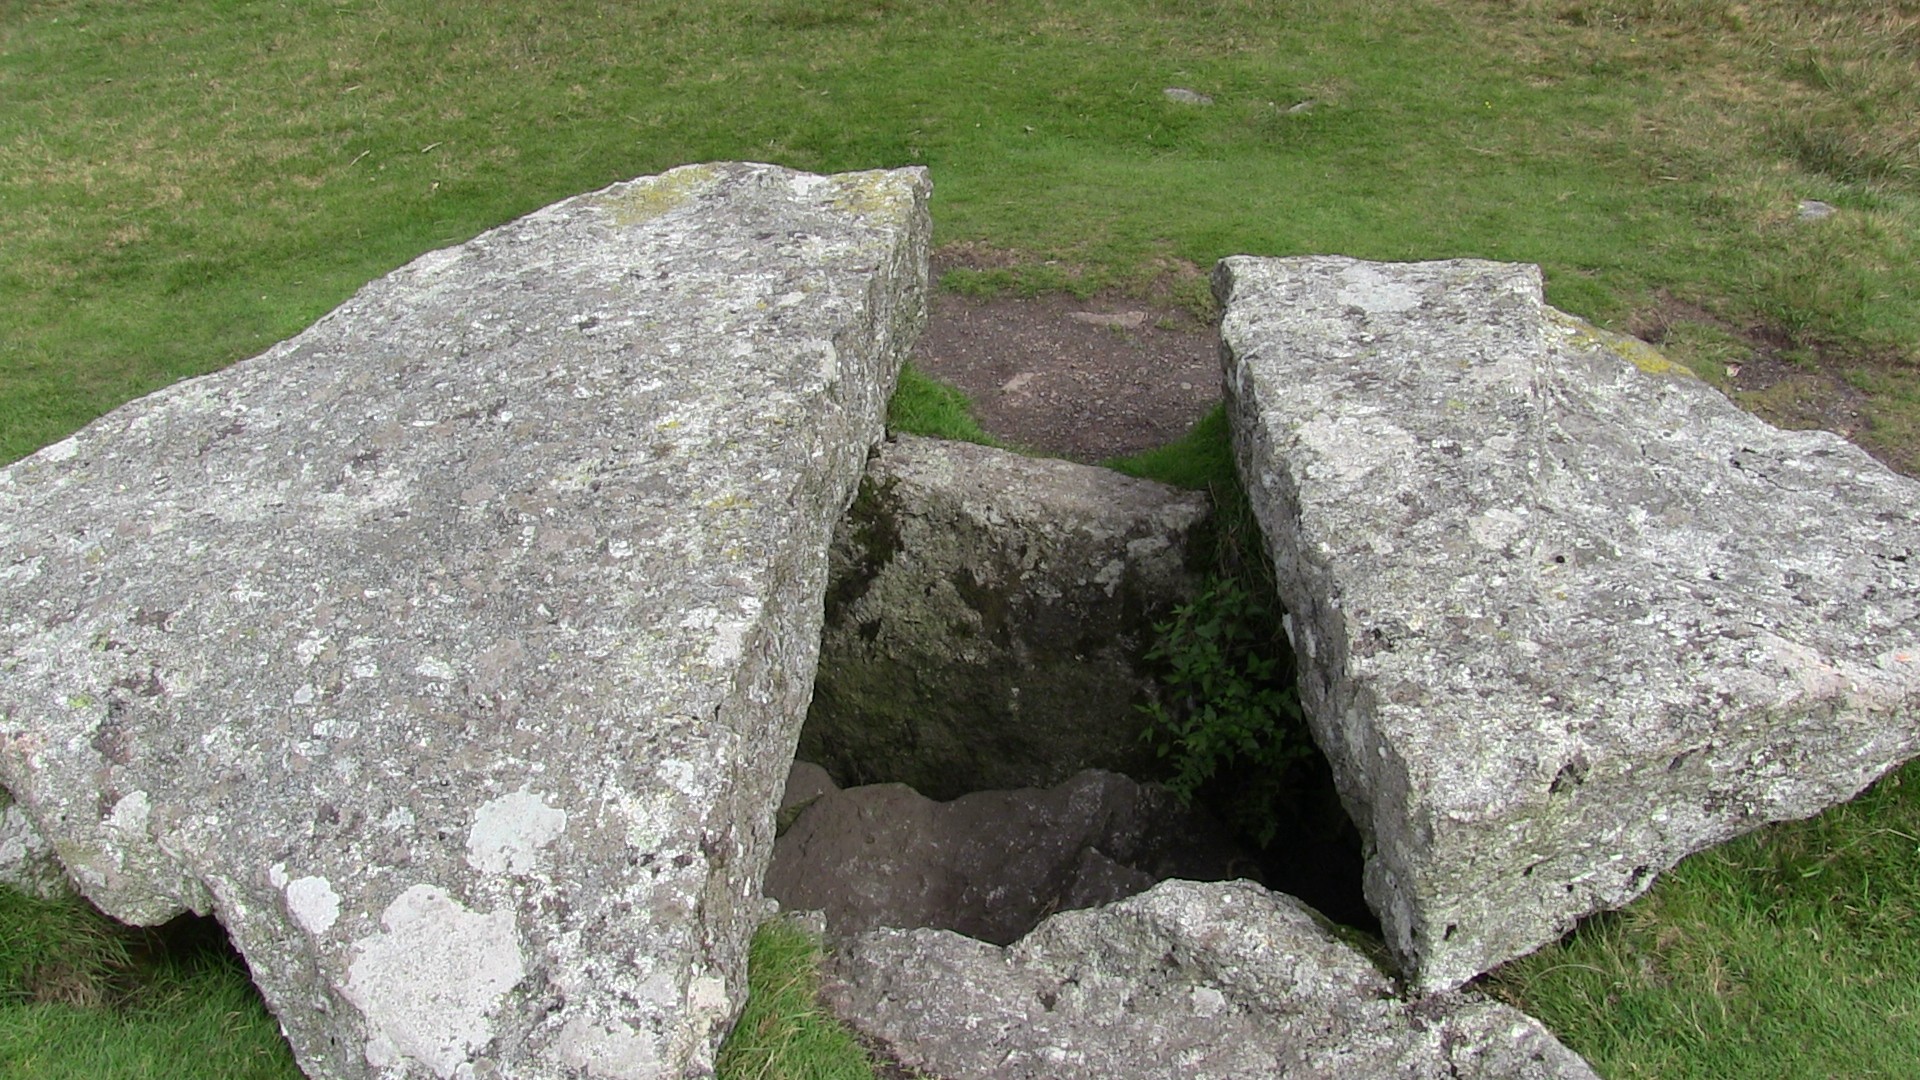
[(1082, 379)]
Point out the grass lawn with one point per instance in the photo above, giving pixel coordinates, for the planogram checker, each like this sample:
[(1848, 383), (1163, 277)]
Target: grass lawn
[(183, 184)]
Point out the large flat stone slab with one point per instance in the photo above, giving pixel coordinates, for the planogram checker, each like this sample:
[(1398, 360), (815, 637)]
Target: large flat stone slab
[(1184, 982), (988, 618), (453, 652), (1564, 614)]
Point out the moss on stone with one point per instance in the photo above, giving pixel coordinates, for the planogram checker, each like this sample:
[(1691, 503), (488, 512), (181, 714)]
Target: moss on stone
[(868, 192), (1632, 349), (875, 535), (652, 196)]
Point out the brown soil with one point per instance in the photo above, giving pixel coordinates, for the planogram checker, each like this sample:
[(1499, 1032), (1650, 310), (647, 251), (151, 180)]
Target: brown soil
[(1082, 379)]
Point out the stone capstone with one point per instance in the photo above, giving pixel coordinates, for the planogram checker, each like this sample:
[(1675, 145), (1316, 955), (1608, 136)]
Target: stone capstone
[(987, 619), (453, 652), (991, 864), (1184, 982), (1563, 614)]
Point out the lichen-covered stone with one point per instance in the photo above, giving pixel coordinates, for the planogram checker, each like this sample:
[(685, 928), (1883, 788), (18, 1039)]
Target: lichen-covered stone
[(453, 652), (1563, 613), (988, 616), (1184, 982), (27, 862)]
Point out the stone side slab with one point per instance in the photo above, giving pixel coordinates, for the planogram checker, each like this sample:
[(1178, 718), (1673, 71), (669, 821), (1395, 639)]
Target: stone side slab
[(1186, 981), (453, 652), (990, 864), (1563, 613), (988, 617)]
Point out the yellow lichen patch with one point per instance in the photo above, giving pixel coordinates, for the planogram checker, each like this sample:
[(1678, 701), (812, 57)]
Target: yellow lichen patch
[(1639, 353), (651, 196), (869, 192)]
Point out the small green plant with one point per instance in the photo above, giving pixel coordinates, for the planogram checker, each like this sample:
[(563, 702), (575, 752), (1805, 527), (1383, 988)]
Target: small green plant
[(1229, 706)]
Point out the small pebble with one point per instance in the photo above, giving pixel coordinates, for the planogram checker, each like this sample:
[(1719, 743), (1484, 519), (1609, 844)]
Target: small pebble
[(1815, 210)]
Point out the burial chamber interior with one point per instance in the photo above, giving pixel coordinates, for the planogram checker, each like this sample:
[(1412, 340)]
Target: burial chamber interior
[(1000, 635)]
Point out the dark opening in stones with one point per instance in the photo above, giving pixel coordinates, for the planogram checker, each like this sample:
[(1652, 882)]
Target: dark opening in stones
[(974, 757), (992, 864)]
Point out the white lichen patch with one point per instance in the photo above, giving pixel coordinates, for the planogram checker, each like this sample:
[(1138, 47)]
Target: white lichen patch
[(129, 815), (1353, 446), (64, 450), (313, 904), (509, 832), (428, 981), (729, 634), (707, 994), (1496, 528), (1374, 292), (607, 1054)]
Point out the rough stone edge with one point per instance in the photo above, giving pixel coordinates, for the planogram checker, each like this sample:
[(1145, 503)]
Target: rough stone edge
[(1329, 956)]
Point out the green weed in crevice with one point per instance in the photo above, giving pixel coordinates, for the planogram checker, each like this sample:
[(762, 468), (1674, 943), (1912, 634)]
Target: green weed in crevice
[(1228, 721), (1228, 705)]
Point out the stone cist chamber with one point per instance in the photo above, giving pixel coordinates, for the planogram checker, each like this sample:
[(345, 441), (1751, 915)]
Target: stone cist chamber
[(983, 670), (988, 624)]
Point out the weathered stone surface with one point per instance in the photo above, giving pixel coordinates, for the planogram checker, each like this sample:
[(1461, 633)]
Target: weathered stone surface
[(805, 783), (987, 617), (992, 864), (453, 652), (1563, 613), (27, 862), (1184, 982)]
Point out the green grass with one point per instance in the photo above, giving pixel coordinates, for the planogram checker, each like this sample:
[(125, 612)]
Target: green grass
[(87, 999), (925, 406), (84, 998), (783, 1034), (1200, 460), (183, 184), (1788, 953)]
